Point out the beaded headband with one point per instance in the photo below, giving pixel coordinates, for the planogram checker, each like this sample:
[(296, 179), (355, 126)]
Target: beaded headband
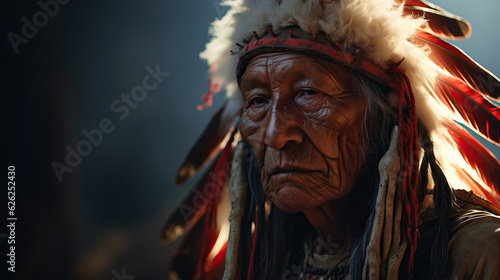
[(297, 40)]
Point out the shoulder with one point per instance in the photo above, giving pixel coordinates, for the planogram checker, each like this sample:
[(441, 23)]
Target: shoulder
[(474, 246), (474, 243)]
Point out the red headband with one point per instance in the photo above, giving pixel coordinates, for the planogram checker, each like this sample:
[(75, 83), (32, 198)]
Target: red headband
[(333, 54)]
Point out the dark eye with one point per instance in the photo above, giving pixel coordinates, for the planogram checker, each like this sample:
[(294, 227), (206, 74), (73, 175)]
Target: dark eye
[(310, 91), (258, 100)]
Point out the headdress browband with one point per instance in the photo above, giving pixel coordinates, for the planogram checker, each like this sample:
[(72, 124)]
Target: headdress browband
[(297, 40)]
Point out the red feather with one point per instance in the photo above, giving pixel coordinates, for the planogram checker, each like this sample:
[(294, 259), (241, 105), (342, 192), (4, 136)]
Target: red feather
[(476, 110), (418, 3), (191, 252), (218, 262), (193, 256), (476, 187), (213, 88), (480, 158), (459, 64)]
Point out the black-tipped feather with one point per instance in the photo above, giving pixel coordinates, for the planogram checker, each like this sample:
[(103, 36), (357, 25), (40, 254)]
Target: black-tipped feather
[(189, 211), (439, 22), (207, 145)]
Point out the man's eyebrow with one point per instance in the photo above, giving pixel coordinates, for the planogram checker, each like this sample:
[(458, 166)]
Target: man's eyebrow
[(339, 82), (251, 79), (328, 78), (253, 76)]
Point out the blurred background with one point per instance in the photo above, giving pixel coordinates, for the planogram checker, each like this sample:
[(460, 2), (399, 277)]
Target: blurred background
[(101, 217)]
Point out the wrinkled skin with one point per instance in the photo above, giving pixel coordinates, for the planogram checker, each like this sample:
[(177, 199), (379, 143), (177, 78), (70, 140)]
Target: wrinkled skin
[(303, 119)]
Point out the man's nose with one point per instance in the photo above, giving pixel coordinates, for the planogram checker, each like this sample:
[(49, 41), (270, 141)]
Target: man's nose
[(282, 126)]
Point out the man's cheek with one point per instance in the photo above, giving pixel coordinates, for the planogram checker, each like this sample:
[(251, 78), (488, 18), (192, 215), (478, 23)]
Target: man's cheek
[(248, 126), (257, 148)]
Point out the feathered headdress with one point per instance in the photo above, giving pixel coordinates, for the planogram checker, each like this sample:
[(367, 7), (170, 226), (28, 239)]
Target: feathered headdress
[(396, 44)]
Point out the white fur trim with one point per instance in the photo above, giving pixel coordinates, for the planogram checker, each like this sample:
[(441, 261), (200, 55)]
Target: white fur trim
[(377, 27)]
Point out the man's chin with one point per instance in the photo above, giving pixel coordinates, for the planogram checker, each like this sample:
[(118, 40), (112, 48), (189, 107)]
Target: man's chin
[(291, 199)]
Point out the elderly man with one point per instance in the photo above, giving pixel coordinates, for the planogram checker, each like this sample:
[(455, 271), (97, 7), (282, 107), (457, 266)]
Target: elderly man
[(342, 107)]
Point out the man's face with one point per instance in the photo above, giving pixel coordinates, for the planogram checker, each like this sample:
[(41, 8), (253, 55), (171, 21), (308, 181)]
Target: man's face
[(303, 119)]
